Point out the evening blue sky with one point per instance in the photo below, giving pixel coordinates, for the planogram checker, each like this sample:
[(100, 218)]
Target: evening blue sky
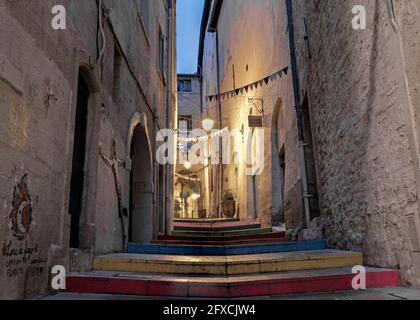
[(189, 14)]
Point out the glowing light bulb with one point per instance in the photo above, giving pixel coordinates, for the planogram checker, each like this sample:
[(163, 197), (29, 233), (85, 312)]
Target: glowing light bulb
[(207, 124), (187, 165), (195, 196)]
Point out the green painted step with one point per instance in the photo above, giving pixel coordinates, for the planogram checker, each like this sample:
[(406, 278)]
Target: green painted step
[(236, 233)]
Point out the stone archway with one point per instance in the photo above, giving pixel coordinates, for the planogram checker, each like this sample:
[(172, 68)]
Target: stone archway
[(278, 162), (141, 186)]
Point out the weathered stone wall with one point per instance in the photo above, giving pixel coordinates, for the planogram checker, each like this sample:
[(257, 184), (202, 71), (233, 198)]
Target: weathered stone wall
[(189, 104), (363, 131), (37, 133), (253, 44)]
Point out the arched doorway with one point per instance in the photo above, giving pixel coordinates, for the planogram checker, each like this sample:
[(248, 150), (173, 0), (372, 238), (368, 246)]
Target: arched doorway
[(141, 226), (278, 133), (254, 171)]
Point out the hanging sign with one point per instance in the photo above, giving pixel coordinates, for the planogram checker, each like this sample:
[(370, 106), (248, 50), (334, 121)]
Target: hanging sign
[(255, 121)]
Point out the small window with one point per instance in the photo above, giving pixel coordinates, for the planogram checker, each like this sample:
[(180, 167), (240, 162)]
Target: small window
[(161, 56), (184, 86), (185, 123), (144, 14), (117, 73)]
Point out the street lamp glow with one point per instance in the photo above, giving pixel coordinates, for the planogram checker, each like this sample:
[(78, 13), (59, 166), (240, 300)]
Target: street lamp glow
[(207, 124), (195, 196), (187, 165)]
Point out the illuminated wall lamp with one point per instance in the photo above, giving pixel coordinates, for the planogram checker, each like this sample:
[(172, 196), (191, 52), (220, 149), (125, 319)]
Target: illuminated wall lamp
[(207, 124), (187, 165)]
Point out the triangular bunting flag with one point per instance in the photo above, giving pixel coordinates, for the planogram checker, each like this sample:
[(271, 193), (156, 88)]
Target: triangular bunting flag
[(252, 86)]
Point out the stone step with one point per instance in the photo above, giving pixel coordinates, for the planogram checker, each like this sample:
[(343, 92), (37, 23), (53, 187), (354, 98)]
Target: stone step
[(208, 250), (216, 226), (226, 287), (220, 243), (215, 220), (212, 234), (228, 265), (273, 236)]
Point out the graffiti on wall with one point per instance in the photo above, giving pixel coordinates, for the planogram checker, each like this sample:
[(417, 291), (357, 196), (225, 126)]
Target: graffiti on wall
[(17, 250), (20, 219)]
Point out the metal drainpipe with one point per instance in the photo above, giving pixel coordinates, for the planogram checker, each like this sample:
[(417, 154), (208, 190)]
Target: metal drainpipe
[(167, 169), (200, 72), (298, 106), (219, 105)]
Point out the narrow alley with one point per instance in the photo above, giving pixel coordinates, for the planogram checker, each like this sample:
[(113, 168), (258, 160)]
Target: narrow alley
[(209, 149)]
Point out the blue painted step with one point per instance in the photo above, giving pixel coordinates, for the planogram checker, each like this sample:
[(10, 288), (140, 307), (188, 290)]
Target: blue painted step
[(226, 250)]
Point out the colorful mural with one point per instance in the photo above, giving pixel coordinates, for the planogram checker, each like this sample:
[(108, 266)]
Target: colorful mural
[(20, 219), (18, 251)]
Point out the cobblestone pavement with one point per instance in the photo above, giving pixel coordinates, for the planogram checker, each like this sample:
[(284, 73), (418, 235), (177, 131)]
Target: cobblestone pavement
[(397, 293)]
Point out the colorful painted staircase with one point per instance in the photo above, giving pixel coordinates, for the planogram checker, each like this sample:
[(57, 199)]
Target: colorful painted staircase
[(220, 233), (203, 259), (226, 250)]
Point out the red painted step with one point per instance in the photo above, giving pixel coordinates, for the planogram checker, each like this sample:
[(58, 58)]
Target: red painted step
[(273, 235), (227, 287)]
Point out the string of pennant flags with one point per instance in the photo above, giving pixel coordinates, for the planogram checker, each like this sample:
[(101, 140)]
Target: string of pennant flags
[(249, 87)]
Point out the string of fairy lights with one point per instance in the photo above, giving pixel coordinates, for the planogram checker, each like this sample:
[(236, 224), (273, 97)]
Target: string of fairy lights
[(213, 135)]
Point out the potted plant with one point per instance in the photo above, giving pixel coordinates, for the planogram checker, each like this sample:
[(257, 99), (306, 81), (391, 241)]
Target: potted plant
[(228, 204), (202, 213)]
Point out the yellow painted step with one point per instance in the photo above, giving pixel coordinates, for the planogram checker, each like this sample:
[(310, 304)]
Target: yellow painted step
[(228, 265)]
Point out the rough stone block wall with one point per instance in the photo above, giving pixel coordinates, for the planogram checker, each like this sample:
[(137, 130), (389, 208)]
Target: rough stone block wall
[(362, 130)]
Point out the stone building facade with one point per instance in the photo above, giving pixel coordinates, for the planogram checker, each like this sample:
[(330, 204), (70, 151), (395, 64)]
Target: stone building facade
[(362, 87), (79, 111), (243, 42), (188, 198), (359, 106)]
